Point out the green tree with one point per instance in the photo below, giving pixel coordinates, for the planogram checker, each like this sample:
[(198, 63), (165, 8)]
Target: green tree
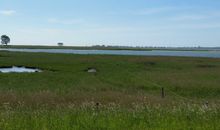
[(5, 39)]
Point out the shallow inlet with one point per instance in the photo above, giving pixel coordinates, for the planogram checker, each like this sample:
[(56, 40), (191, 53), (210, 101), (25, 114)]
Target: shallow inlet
[(15, 69)]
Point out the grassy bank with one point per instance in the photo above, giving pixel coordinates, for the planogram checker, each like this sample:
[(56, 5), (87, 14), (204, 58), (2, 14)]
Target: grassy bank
[(125, 93)]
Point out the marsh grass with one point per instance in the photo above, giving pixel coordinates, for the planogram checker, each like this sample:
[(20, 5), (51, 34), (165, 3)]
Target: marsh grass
[(127, 89), (112, 118)]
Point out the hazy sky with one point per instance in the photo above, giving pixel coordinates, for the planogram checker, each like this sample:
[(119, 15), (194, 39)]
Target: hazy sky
[(112, 22)]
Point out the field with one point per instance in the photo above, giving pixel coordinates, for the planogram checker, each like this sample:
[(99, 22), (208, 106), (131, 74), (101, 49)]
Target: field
[(125, 93)]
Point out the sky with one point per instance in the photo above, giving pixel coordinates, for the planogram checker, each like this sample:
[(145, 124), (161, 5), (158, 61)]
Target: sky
[(167, 23)]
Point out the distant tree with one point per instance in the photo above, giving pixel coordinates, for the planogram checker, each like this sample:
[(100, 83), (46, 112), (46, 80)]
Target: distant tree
[(60, 44), (5, 39)]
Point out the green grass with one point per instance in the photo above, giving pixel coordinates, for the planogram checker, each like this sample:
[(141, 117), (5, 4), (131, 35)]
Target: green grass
[(127, 88), (111, 118)]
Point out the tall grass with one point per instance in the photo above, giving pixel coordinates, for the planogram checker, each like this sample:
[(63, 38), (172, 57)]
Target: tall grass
[(123, 94), (111, 118)]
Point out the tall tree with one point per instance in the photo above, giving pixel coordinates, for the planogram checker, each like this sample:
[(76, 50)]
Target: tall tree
[(5, 39)]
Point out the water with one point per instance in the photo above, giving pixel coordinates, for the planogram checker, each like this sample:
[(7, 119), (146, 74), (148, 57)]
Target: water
[(209, 54), (15, 69)]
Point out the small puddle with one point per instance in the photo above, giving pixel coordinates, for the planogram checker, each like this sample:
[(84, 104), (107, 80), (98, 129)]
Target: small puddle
[(15, 69)]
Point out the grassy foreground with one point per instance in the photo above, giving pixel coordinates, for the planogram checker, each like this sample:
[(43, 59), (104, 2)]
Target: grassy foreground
[(123, 94)]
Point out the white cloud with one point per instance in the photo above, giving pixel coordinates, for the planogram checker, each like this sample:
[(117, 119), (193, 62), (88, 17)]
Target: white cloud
[(7, 12), (65, 21)]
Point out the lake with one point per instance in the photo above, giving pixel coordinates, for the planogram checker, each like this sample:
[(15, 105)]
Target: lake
[(208, 54)]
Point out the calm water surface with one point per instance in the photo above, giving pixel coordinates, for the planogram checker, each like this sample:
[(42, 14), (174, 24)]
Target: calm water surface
[(210, 54), (15, 69)]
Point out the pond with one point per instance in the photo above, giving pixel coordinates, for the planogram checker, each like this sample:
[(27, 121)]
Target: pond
[(15, 69), (208, 54)]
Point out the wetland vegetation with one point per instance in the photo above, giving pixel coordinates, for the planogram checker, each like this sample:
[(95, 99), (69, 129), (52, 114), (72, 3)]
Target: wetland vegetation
[(124, 93)]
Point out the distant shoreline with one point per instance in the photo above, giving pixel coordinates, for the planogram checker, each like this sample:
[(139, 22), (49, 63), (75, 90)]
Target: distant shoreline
[(112, 48), (92, 51)]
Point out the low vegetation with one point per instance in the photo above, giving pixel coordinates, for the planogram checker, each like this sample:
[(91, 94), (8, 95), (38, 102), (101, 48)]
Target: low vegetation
[(124, 93)]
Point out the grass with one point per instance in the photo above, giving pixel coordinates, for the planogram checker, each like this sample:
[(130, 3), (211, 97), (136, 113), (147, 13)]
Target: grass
[(111, 118), (123, 94)]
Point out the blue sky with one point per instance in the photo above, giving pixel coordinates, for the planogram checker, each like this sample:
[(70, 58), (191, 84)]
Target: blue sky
[(112, 22)]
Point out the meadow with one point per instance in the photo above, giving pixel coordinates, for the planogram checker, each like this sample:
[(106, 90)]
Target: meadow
[(125, 93)]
